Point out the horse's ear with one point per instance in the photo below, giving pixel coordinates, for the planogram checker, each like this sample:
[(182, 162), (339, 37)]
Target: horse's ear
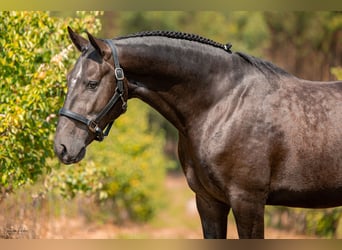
[(79, 41), (100, 46)]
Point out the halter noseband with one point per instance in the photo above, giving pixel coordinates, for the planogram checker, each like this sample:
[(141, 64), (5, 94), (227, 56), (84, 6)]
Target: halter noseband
[(119, 91)]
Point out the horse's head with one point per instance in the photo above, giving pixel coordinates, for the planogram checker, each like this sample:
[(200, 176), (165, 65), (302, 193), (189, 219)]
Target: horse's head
[(96, 96)]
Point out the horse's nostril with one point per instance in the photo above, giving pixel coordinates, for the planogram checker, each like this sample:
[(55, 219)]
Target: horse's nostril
[(64, 150)]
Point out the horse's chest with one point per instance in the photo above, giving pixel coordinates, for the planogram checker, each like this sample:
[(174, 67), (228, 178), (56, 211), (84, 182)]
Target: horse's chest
[(201, 174), (210, 180)]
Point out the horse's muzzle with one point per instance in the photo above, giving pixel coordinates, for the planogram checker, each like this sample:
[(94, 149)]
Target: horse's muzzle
[(68, 156)]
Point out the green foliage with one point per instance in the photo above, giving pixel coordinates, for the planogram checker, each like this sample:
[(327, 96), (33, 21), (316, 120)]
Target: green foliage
[(71, 180), (337, 71), (307, 30), (136, 168), (305, 37), (247, 31), (323, 223), (34, 58), (35, 55), (320, 222)]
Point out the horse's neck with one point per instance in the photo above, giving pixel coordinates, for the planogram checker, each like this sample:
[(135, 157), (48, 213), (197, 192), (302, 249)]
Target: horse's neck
[(177, 79)]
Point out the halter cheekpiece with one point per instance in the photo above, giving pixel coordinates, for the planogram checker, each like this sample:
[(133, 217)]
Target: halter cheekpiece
[(118, 95)]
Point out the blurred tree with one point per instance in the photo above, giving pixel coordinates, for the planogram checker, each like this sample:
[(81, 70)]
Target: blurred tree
[(307, 44), (337, 72), (136, 172), (246, 30), (34, 57)]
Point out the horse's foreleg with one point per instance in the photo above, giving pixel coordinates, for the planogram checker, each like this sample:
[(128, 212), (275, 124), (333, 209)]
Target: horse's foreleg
[(249, 217), (213, 216)]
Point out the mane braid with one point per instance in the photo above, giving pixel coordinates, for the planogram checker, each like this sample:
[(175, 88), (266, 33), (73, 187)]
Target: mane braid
[(180, 35)]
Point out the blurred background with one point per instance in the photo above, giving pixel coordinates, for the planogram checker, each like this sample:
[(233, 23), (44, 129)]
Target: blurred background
[(131, 185)]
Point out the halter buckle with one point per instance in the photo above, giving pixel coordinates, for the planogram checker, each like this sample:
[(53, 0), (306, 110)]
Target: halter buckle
[(119, 74), (93, 127)]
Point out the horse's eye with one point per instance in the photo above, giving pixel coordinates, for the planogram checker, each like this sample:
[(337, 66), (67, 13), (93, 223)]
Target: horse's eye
[(92, 84)]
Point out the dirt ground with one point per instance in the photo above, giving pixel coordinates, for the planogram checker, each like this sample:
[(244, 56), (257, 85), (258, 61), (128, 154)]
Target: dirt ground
[(164, 226), (77, 229)]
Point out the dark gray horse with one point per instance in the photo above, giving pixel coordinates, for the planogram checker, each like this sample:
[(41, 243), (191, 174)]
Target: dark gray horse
[(250, 134)]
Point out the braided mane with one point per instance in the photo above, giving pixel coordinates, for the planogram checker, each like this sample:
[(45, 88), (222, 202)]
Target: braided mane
[(180, 35), (260, 64)]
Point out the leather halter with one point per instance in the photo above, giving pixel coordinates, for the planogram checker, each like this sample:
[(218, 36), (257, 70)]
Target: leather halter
[(119, 92)]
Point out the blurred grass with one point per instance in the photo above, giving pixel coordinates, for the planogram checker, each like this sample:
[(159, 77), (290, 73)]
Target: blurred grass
[(30, 214)]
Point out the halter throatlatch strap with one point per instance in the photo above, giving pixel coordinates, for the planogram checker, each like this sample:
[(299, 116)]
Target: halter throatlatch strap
[(118, 95)]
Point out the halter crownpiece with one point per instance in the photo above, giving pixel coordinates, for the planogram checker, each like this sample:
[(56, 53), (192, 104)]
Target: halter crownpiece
[(118, 95)]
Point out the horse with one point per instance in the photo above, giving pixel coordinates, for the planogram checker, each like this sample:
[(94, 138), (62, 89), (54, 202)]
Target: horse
[(250, 133)]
